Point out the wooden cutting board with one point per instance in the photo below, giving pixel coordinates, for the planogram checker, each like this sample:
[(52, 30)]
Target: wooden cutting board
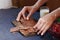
[(25, 27)]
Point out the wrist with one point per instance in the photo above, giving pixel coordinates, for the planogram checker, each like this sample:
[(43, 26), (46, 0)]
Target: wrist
[(35, 7), (53, 16), (56, 12)]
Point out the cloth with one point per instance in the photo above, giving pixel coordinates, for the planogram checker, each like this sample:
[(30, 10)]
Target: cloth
[(8, 15)]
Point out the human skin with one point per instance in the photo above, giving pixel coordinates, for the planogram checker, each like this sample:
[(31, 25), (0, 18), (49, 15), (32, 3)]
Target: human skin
[(44, 22), (30, 9)]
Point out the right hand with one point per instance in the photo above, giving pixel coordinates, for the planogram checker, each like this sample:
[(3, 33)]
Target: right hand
[(30, 9), (44, 23)]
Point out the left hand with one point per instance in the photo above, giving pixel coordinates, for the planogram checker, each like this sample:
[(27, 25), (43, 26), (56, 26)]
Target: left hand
[(44, 23)]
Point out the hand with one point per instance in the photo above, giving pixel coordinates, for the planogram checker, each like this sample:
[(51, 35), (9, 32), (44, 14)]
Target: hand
[(30, 9), (44, 23)]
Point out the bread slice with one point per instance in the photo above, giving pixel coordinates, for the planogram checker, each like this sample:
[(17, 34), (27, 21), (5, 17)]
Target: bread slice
[(24, 26)]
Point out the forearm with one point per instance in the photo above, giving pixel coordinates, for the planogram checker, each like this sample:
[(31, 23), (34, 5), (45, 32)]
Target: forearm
[(56, 12), (39, 3)]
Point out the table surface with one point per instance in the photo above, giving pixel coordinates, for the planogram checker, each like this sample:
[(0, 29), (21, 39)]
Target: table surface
[(8, 15)]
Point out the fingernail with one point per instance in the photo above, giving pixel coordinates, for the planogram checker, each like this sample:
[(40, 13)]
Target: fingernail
[(27, 18), (17, 20), (41, 34)]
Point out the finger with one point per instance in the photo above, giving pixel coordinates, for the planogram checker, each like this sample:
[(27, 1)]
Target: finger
[(36, 25), (44, 31), (46, 28), (23, 13), (24, 16), (18, 17), (29, 16), (41, 29), (40, 25), (30, 13)]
